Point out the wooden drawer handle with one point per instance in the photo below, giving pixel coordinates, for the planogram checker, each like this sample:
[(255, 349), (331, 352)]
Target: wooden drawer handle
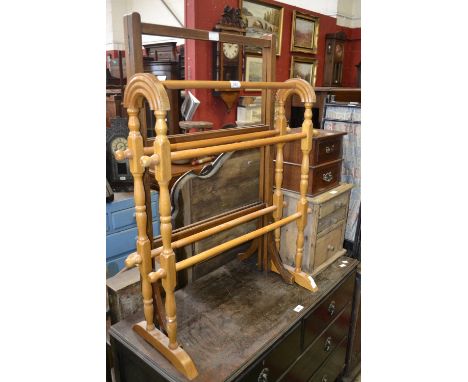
[(327, 346), (331, 308)]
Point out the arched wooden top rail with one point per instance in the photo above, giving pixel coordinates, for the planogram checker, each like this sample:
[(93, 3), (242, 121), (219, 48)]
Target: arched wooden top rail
[(302, 88), (145, 85)]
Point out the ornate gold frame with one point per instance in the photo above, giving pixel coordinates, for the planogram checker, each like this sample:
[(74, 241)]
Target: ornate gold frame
[(305, 60), (316, 21), (273, 6)]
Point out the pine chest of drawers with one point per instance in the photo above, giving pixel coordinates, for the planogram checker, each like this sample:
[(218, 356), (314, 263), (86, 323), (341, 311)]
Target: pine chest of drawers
[(324, 232), (324, 162)]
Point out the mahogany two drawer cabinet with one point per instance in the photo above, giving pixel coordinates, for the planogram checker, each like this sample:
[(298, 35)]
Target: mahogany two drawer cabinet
[(239, 324), (324, 231), (325, 161)]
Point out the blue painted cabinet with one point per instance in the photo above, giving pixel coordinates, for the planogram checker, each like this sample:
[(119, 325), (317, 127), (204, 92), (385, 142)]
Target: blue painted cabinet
[(121, 230)]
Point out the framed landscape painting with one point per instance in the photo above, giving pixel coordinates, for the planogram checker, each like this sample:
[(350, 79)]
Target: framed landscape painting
[(305, 68), (304, 33), (261, 18), (253, 69)]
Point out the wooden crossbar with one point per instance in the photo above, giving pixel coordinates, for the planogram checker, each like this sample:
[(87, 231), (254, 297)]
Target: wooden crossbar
[(198, 34), (223, 140), (216, 141), (211, 231), (182, 84), (207, 228), (193, 153), (205, 255)]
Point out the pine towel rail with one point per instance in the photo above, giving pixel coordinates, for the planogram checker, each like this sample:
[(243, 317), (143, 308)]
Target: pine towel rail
[(141, 86)]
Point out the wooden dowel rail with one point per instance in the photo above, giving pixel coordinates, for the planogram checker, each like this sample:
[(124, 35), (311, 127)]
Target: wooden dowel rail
[(208, 142), (219, 228), (134, 259), (193, 153), (205, 255), (194, 84), (223, 140)]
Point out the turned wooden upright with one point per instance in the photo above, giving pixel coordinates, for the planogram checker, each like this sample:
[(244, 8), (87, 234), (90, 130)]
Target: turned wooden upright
[(147, 86)]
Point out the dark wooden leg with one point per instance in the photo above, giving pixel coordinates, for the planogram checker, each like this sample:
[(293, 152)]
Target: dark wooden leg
[(159, 311), (276, 260)]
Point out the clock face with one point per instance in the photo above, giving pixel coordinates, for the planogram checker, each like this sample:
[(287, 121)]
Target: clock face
[(231, 51), (119, 143)]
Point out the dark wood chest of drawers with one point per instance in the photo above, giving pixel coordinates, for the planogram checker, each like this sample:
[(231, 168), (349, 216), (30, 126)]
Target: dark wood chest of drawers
[(324, 163), (239, 324)]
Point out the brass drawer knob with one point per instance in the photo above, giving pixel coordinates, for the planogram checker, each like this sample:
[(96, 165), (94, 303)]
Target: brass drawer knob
[(330, 247), (331, 308), (325, 378), (329, 149), (328, 176), (263, 376), (327, 344)]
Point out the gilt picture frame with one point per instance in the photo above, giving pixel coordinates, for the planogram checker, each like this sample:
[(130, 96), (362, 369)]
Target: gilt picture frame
[(305, 68), (304, 33), (261, 18)]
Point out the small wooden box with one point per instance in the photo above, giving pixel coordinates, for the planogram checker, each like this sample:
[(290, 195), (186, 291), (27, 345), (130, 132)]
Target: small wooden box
[(324, 232), (325, 161)]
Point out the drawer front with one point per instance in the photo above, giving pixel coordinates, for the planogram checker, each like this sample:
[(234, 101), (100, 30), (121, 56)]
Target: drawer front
[(328, 245), (326, 177), (333, 218), (124, 219), (333, 366), (325, 148), (320, 349), (328, 150), (321, 178), (332, 205), (320, 318), (278, 360)]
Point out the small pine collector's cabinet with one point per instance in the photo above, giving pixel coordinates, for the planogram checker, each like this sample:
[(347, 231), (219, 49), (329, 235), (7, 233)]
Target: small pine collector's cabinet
[(324, 232)]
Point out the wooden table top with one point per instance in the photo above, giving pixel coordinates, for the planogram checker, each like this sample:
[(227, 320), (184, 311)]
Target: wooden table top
[(230, 316)]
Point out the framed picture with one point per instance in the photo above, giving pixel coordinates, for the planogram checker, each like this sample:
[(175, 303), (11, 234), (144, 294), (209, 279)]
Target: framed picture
[(253, 69), (304, 33), (305, 68), (261, 18)]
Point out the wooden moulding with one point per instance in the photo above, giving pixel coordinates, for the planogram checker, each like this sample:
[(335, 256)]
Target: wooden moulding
[(192, 153), (178, 357)]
